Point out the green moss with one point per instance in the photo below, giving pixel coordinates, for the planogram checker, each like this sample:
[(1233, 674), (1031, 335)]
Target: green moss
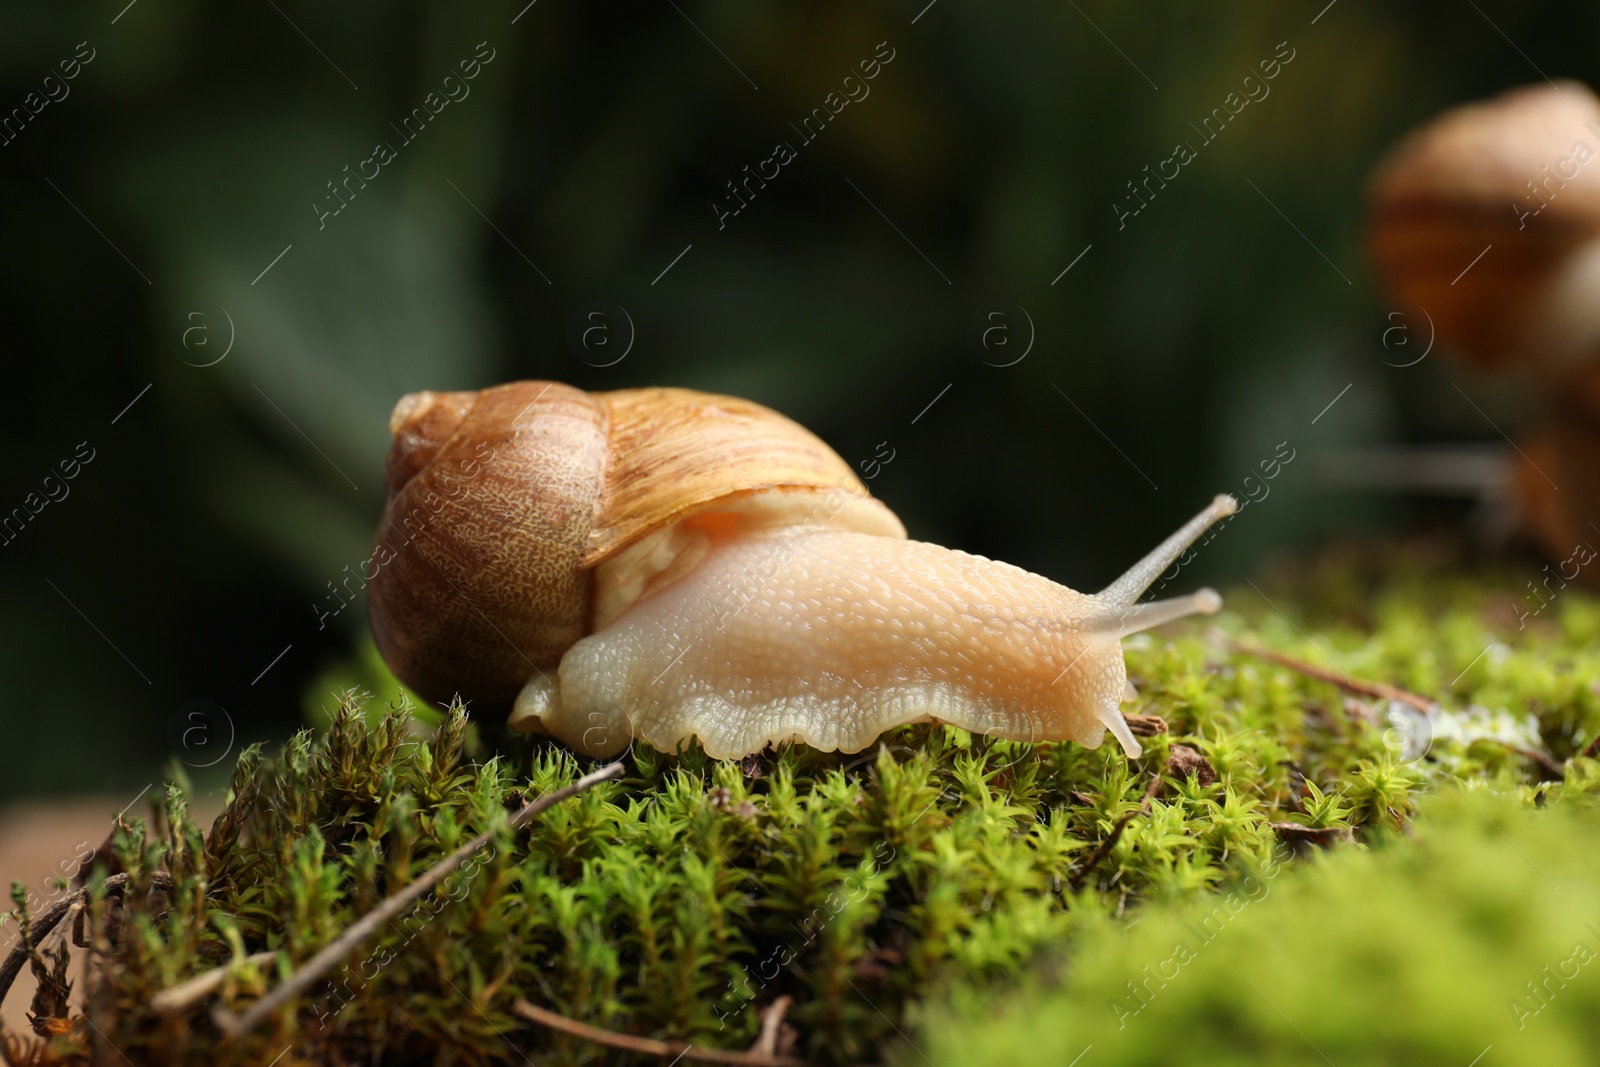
[(1481, 930), (936, 869)]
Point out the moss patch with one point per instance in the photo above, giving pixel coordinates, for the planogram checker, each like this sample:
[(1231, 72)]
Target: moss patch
[(936, 869), (1482, 931)]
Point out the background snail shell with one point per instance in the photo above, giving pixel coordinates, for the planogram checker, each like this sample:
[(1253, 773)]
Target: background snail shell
[(1520, 172), (667, 564)]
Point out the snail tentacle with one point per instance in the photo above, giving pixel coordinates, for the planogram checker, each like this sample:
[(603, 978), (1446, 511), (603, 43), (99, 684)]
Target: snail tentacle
[(1140, 576)]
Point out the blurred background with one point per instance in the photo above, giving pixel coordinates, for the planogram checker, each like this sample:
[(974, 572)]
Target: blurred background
[(198, 296)]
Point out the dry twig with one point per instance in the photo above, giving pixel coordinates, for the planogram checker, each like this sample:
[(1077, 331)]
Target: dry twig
[(184, 994), (1551, 770), (234, 1025), (1110, 842), (771, 1023), (1379, 690), (663, 1049), (44, 924)]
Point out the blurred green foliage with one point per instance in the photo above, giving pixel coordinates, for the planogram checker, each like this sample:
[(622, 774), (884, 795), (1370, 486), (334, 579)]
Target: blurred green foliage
[(190, 152)]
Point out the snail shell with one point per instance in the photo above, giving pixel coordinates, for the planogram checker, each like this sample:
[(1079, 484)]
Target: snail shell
[(1520, 173), (667, 564), (1488, 219)]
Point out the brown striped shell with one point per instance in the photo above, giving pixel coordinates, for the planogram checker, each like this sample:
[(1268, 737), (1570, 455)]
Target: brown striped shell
[(1487, 218), (519, 515)]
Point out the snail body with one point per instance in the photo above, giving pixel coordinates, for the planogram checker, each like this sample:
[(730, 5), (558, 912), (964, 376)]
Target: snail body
[(667, 564)]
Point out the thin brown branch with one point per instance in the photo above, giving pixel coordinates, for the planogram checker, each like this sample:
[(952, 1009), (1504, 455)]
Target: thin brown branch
[(45, 923), (186, 994), (1378, 690), (674, 1050), (1105, 847), (59, 934), (324, 961), (771, 1024), (1551, 770)]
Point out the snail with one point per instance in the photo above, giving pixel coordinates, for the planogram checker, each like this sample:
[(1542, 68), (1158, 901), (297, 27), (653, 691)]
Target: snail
[(665, 564), (1487, 218)]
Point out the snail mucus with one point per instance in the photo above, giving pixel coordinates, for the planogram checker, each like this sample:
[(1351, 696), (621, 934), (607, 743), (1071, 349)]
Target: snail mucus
[(667, 564)]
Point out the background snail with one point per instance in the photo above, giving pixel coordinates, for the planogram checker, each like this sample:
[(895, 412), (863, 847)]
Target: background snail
[(1520, 173), (663, 563), (1488, 219)]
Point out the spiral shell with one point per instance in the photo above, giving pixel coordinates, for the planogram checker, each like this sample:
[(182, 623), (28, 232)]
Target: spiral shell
[(506, 505)]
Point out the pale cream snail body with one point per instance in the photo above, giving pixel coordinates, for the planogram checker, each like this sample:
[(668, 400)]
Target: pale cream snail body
[(667, 564)]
